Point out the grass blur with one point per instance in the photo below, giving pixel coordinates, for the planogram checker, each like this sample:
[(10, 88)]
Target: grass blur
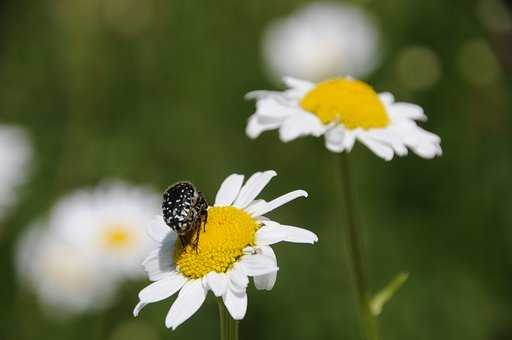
[(152, 92)]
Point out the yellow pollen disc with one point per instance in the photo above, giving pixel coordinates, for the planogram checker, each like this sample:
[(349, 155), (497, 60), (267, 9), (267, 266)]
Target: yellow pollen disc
[(117, 237), (221, 242), (353, 103)]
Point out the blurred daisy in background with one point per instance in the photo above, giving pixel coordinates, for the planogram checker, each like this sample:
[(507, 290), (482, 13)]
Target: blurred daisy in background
[(15, 157), (92, 241), (343, 110), (63, 278), (322, 40), (109, 221), (233, 246)]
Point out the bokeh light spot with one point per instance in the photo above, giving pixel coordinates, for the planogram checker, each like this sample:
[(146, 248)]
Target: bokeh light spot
[(477, 63), (417, 68)]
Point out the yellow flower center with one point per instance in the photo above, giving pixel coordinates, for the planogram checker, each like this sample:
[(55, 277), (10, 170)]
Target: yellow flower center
[(117, 237), (351, 102), (221, 242)]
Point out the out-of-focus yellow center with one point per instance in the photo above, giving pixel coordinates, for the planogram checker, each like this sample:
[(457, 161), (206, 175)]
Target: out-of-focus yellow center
[(117, 237), (351, 102), (221, 242)]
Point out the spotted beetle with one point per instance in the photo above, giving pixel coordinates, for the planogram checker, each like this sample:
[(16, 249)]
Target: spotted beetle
[(184, 210)]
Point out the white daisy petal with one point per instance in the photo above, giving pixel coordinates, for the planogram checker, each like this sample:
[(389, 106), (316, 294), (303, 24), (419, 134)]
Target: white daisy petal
[(158, 264), (218, 282), (273, 109), (157, 229), (256, 126), (155, 267), (236, 303), (350, 139), (425, 144), (255, 265), (267, 251), (189, 300), (138, 308), (300, 84), (381, 150), (389, 138), (387, 98), (266, 281), (253, 188), (335, 139), (300, 124), (267, 235), (413, 135), (163, 288), (408, 111), (255, 206), (238, 277), (260, 94), (291, 233), (428, 136), (229, 190), (276, 203), (427, 150)]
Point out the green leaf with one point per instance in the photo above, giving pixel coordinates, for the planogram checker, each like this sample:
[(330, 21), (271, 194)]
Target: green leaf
[(378, 301)]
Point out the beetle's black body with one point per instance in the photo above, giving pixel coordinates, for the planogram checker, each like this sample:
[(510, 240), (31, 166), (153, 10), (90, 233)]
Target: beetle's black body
[(185, 209)]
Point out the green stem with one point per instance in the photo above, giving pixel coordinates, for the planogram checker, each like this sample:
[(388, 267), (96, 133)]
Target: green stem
[(358, 264), (228, 325)]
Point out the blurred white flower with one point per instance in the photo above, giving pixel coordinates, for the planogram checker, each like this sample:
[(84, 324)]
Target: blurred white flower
[(233, 246), (110, 223), (15, 156), (322, 40), (63, 277), (343, 110)]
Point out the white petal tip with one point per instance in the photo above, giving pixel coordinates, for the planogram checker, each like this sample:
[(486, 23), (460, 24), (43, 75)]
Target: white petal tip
[(251, 95), (312, 240), (303, 193), (138, 308)]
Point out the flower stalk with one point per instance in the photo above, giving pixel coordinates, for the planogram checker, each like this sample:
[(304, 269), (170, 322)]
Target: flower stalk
[(357, 260), (228, 325)]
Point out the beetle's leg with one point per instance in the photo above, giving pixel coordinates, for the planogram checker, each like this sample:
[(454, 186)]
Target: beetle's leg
[(204, 219), (196, 240)]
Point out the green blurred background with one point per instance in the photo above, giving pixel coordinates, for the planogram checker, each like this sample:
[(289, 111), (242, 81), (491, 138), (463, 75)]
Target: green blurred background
[(152, 92)]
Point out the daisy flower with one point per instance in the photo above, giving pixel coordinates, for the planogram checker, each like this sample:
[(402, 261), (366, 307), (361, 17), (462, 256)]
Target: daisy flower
[(63, 277), (343, 110), (322, 40), (110, 222), (15, 155), (233, 246)]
